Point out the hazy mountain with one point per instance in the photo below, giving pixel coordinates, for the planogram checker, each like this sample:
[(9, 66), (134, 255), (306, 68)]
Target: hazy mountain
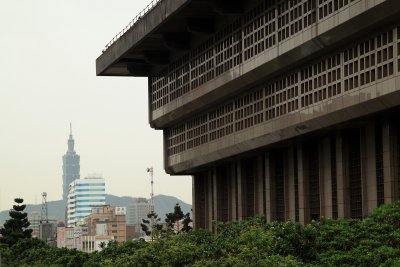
[(163, 204)]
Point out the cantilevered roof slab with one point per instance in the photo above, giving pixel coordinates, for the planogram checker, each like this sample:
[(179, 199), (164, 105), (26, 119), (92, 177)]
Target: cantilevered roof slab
[(162, 31)]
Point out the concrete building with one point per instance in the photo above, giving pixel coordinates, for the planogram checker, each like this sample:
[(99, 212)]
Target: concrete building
[(43, 230), (48, 232), (34, 219), (93, 243), (105, 221), (61, 242), (287, 108), (85, 194), (71, 167), (138, 211), (71, 237)]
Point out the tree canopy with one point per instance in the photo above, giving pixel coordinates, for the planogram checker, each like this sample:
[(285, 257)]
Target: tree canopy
[(16, 227), (374, 241)]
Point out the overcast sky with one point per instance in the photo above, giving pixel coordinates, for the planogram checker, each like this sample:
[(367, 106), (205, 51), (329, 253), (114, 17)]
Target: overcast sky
[(48, 50)]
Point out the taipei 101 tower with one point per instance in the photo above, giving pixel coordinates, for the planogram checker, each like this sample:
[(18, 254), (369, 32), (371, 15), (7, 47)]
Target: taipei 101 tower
[(71, 167)]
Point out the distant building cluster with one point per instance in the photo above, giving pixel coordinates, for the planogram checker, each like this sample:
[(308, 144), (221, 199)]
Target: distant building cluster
[(90, 222), (101, 225)]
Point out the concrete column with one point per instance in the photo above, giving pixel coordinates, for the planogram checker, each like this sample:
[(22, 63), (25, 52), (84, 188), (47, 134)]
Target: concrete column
[(215, 194), (240, 189), (270, 203), (390, 161), (304, 210), (260, 186), (368, 169), (325, 177), (291, 198), (343, 196), (233, 195), (209, 210)]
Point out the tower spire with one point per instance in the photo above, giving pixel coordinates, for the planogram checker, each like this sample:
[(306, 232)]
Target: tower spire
[(71, 141)]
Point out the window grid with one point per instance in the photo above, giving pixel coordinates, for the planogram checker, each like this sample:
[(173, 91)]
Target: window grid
[(249, 110), (311, 84), (228, 47), (328, 7), (179, 78), (197, 132), (257, 30), (289, 18), (221, 122), (202, 64)]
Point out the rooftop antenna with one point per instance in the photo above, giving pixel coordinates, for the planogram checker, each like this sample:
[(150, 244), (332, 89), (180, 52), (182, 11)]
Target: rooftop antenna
[(150, 170), (44, 213), (70, 128)]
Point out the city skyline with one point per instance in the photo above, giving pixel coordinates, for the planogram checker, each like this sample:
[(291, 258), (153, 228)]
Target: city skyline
[(47, 80)]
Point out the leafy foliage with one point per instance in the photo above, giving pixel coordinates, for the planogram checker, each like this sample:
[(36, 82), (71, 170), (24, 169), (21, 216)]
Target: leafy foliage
[(374, 241)]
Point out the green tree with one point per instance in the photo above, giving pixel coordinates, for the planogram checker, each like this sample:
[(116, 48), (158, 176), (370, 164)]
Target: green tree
[(151, 226), (177, 221), (16, 227)]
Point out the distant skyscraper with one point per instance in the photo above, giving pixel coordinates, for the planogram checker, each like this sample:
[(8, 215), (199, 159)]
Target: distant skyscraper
[(85, 194), (138, 211), (71, 167)]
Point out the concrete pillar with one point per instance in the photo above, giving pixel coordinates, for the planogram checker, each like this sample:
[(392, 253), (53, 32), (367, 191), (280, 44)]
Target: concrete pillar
[(209, 210), (368, 169), (390, 161), (325, 177), (343, 196), (239, 189), (291, 198), (215, 193), (304, 210), (260, 186), (270, 204), (233, 193)]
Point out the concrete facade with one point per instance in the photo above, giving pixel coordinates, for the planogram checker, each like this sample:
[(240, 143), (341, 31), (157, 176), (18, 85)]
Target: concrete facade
[(283, 108), (138, 211), (104, 221)]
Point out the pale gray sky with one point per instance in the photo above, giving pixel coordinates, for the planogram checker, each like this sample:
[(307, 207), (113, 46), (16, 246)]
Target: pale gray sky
[(47, 80)]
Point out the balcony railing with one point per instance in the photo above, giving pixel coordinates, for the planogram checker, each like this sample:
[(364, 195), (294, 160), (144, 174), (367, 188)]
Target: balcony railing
[(132, 23)]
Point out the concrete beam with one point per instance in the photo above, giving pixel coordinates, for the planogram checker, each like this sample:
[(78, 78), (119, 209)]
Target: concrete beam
[(178, 41), (138, 69), (157, 57), (201, 25), (135, 35), (229, 7)]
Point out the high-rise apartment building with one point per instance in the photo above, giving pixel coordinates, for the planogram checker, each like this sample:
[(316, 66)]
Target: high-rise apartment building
[(138, 211), (287, 108), (84, 194), (71, 167)]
